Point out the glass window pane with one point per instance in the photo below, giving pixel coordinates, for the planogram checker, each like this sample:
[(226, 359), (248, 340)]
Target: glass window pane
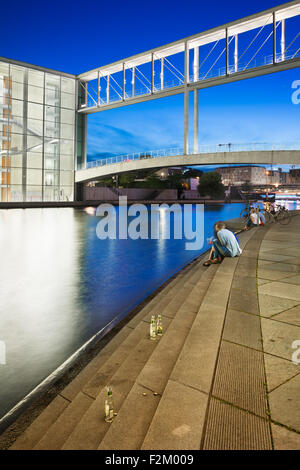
[(66, 193), (36, 78), (17, 125), (66, 131), (17, 73), (51, 129), (16, 193), (34, 160), (34, 193), (67, 162), (4, 68), (17, 160), (16, 175), (51, 193), (34, 144), (67, 85), (17, 90), (52, 82), (67, 101), (35, 94), (16, 144), (52, 96), (35, 111), (67, 147), (51, 178), (66, 178), (34, 177), (52, 114), (67, 116), (35, 126), (17, 107)]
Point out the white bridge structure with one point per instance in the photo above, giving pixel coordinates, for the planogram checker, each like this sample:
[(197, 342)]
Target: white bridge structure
[(268, 154), (257, 45)]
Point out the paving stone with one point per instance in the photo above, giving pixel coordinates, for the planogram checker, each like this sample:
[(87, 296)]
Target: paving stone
[(128, 430), (284, 439), (229, 428), (245, 301), (284, 404), (43, 422), (240, 378), (261, 282), (178, 421), (243, 328), (290, 316), (278, 337), (278, 371), (244, 282), (284, 267), (270, 305), (287, 291), (55, 437), (293, 280), (272, 257), (272, 275)]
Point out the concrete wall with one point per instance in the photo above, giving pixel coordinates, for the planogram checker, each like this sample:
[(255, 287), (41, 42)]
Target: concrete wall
[(133, 194)]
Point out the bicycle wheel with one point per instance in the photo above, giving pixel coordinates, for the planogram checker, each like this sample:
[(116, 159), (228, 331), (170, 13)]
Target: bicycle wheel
[(268, 217), (284, 218)]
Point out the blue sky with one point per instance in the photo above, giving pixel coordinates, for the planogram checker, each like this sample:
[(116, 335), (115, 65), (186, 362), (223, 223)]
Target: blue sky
[(74, 37)]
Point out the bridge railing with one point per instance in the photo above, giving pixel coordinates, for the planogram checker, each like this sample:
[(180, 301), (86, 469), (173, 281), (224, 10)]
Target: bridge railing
[(203, 149), (215, 72)]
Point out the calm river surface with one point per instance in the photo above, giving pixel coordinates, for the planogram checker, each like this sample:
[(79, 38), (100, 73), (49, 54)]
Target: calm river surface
[(60, 285)]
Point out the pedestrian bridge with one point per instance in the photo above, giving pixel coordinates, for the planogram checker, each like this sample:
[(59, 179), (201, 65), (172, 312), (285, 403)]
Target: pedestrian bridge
[(259, 154)]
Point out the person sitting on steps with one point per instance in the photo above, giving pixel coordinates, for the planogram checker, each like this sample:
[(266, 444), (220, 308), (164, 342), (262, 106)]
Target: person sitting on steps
[(225, 244)]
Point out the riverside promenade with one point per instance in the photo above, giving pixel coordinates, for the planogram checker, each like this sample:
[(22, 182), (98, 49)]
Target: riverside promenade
[(220, 377)]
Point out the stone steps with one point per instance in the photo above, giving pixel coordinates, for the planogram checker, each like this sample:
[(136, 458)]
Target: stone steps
[(92, 428), (77, 397), (133, 420)]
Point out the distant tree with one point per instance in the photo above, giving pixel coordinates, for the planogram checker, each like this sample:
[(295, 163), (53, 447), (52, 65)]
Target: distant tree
[(211, 185), (126, 180)]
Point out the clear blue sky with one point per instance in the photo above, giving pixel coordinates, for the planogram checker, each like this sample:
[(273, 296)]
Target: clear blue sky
[(75, 36)]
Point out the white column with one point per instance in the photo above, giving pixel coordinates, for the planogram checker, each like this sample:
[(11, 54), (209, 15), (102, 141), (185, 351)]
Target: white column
[(196, 121), (274, 38), (161, 73), (186, 100), (107, 89), (282, 40), (152, 73), (124, 81), (133, 81), (236, 53), (98, 90), (196, 64)]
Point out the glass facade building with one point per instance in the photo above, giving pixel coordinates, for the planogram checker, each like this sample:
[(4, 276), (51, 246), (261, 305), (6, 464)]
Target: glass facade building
[(38, 134)]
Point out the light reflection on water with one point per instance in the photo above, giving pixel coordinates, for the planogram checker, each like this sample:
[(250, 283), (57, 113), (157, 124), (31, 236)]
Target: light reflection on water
[(60, 284)]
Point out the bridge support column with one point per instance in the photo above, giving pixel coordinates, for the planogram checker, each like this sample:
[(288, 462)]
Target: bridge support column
[(236, 53), (282, 40), (186, 122), (196, 121)]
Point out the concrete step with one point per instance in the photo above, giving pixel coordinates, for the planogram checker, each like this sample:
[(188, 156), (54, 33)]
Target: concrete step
[(190, 381), (92, 427), (133, 420)]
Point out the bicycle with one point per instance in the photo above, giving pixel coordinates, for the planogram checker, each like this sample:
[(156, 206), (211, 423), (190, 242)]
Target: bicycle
[(282, 216)]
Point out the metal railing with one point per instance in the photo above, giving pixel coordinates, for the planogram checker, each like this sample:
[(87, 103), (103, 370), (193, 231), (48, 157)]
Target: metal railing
[(201, 76), (203, 149)]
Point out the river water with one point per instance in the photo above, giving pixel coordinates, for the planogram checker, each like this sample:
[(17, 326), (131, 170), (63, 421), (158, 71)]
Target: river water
[(60, 285)]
